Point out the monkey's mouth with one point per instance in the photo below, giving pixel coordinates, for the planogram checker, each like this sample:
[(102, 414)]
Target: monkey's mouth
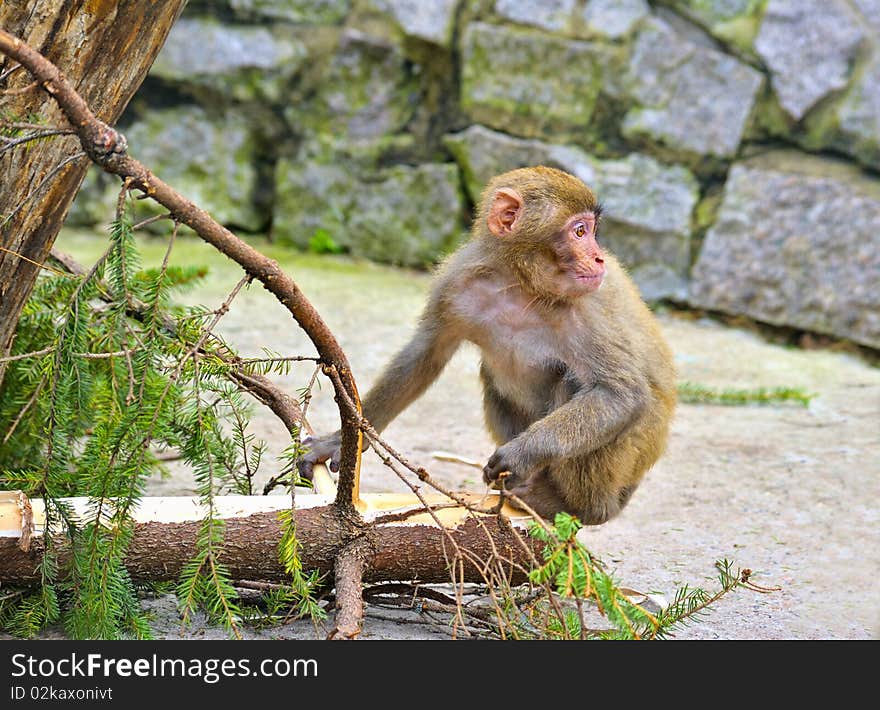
[(592, 281)]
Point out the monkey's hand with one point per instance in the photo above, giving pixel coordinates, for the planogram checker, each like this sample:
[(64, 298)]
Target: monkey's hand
[(513, 460), (320, 449)]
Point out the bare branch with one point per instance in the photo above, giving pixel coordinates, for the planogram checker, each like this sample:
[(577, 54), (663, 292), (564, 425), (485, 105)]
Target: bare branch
[(107, 148), (349, 575)]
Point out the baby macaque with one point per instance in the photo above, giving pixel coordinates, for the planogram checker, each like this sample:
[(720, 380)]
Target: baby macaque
[(578, 383)]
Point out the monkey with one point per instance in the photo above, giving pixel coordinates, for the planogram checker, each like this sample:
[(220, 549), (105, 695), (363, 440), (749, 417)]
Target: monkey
[(578, 382)]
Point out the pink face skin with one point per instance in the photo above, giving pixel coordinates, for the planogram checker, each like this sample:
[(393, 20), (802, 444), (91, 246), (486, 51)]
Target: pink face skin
[(578, 256)]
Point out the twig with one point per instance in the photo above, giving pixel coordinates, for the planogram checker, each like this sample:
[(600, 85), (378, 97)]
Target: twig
[(10, 143), (455, 458), (150, 220), (68, 262), (19, 90), (24, 125), (423, 621), (25, 356), (405, 514), (520, 503), (745, 579), (23, 411), (259, 586), (9, 72), (291, 358), (14, 594), (31, 261), (307, 396), (412, 591), (86, 356)]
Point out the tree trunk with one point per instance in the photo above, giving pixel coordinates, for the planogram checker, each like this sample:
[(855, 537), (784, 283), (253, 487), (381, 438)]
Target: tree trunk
[(105, 49)]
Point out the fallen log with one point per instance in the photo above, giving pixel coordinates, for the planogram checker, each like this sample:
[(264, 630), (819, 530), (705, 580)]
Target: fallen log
[(399, 539)]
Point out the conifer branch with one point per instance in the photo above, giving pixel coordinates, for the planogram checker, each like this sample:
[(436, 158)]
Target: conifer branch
[(108, 148)]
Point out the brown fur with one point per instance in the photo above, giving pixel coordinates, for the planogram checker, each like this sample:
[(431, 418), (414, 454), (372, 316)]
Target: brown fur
[(579, 387)]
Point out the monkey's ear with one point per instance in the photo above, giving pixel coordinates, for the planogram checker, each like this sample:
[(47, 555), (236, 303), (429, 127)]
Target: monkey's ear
[(504, 211)]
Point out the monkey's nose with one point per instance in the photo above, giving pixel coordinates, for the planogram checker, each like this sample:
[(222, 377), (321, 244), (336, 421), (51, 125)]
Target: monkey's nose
[(600, 260)]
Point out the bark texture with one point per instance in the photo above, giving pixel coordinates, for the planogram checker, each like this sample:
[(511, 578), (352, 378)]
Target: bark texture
[(424, 553), (104, 48)]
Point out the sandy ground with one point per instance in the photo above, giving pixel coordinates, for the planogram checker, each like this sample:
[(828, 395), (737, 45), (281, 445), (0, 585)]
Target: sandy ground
[(792, 493)]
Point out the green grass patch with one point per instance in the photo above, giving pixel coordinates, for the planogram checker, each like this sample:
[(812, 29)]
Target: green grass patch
[(691, 393)]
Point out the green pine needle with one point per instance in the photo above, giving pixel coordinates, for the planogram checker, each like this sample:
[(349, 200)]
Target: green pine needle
[(83, 426)]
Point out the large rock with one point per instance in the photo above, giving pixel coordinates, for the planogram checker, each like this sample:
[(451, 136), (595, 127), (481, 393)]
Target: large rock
[(609, 18), (796, 243), (870, 10), (692, 100), (482, 153), (809, 47), (613, 18), (859, 116), (734, 21), (366, 91), (551, 15), (647, 205), (209, 158), (526, 81), (401, 215), (429, 21), (240, 62), (307, 12), (850, 121), (852, 124)]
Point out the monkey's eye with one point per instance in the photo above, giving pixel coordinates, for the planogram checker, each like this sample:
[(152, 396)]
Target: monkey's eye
[(580, 230)]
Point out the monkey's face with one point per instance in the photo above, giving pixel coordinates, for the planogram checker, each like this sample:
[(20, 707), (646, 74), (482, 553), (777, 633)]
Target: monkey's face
[(543, 221), (579, 263)]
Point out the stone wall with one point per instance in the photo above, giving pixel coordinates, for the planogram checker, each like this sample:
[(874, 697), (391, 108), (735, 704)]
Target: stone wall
[(734, 143)]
